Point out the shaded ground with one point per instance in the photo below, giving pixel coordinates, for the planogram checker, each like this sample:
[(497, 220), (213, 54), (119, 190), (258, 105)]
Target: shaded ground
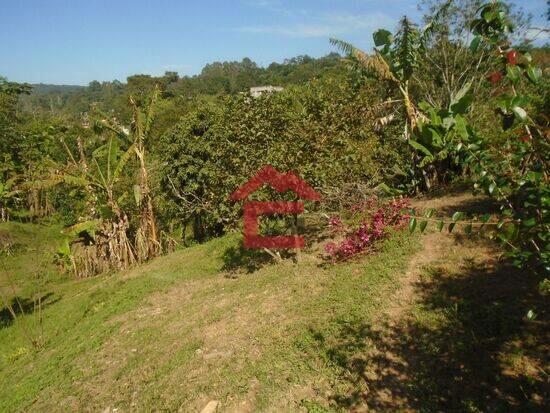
[(455, 337)]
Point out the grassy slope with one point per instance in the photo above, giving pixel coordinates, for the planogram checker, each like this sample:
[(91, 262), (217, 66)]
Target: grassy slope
[(177, 333)]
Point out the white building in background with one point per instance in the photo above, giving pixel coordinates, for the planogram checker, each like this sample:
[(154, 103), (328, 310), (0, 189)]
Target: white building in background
[(258, 90)]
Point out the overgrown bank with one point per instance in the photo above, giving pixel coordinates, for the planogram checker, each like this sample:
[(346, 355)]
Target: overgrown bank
[(419, 325), (176, 332)]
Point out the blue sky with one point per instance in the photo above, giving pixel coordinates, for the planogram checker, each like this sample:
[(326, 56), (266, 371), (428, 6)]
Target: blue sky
[(77, 41)]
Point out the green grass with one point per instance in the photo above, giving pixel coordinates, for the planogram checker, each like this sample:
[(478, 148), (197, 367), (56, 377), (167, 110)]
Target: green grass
[(34, 245), (176, 332), (186, 328)]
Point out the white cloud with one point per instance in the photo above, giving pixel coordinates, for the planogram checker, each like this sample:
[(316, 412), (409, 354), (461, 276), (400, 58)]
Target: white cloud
[(263, 3), (300, 30), (326, 25)]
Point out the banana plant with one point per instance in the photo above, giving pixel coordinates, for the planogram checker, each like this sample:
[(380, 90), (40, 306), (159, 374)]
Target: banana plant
[(99, 178), (8, 194), (395, 59), (147, 241), (442, 136), (107, 227)]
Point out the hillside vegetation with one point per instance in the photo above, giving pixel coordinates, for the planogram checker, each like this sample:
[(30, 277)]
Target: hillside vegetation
[(126, 284), (420, 324), (179, 331)]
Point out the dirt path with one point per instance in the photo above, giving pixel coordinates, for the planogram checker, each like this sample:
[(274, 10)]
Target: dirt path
[(390, 363), (435, 245), (454, 336)]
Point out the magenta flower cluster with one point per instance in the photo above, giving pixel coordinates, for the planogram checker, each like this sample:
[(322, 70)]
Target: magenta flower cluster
[(335, 223), (377, 218)]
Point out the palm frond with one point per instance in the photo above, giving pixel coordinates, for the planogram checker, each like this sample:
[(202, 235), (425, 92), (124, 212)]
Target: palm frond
[(102, 179), (122, 162), (406, 48), (150, 112), (112, 156), (136, 126), (375, 64), (345, 47), (430, 28), (104, 122), (54, 179)]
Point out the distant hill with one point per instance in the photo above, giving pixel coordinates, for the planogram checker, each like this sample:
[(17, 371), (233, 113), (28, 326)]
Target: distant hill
[(45, 89), (215, 78)]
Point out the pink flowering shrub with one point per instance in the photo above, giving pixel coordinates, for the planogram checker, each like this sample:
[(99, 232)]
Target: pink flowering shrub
[(335, 224), (376, 219)]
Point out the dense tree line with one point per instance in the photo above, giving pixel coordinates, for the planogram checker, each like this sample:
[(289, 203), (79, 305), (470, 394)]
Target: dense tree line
[(325, 130), (215, 78), (131, 167)]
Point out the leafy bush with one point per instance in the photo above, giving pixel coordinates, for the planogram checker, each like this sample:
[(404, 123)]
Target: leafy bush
[(515, 172), (325, 132)]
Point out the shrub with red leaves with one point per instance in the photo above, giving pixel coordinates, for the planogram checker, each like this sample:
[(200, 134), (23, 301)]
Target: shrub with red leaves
[(511, 56), (495, 77), (377, 219)]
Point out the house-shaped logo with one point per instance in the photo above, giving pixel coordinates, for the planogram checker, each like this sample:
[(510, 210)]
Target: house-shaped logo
[(281, 182)]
